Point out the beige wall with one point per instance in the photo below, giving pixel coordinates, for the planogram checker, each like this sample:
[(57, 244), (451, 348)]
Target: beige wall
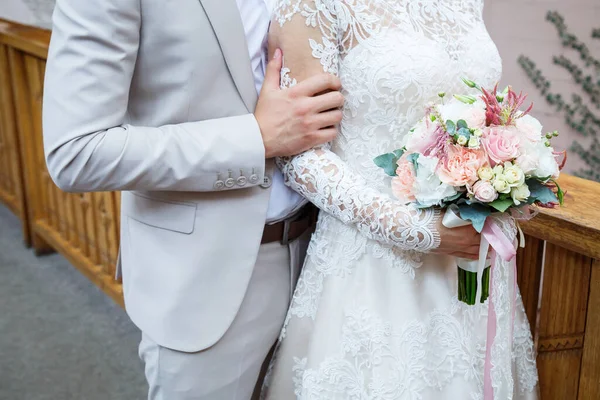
[(520, 27), (517, 26), (31, 12)]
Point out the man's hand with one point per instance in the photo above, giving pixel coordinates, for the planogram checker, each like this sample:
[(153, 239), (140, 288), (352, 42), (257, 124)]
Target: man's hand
[(459, 242), (296, 119)]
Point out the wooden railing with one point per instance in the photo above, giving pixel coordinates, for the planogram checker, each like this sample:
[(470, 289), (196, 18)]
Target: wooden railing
[(82, 227), (559, 271), (559, 278)]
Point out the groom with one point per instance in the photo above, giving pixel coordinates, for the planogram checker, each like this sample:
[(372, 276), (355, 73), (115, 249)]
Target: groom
[(159, 99)]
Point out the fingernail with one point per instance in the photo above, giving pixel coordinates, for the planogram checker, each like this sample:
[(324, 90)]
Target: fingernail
[(277, 54)]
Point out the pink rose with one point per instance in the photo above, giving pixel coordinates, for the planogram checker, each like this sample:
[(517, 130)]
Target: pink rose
[(501, 143), (475, 117), (422, 137), (403, 183), (460, 165), (484, 191)]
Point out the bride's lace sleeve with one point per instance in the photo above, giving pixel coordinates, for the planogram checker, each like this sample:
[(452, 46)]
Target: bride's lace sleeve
[(307, 33)]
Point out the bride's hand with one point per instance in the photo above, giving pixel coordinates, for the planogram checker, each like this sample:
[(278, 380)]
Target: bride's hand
[(459, 242)]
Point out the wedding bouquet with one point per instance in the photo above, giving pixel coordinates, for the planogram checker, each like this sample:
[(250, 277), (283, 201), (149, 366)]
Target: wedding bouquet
[(476, 156)]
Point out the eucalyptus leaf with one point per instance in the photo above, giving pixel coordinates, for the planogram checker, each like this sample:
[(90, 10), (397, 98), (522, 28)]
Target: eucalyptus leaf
[(450, 127), (541, 193), (476, 213), (450, 199), (462, 124), (464, 132), (413, 158)]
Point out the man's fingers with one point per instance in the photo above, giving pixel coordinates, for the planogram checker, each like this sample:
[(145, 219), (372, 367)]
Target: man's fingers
[(328, 101), (272, 74), (317, 84), (327, 119)]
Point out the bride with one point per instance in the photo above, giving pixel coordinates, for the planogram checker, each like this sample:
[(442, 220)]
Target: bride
[(375, 314)]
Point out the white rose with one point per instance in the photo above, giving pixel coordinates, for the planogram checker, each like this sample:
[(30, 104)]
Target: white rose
[(501, 185), (528, 158), (498, 170), (514, 175), (478, 132), (485, 174), (462, 140), (473, 114), (474, 142), (520, 194), (430, 190), (547, 165), (530, 127)]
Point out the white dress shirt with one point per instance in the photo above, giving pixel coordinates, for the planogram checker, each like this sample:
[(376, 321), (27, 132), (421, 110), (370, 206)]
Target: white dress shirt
[(256, 17)]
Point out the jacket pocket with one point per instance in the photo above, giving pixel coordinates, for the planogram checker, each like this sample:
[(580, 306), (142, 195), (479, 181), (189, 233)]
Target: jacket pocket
[(163, 214)]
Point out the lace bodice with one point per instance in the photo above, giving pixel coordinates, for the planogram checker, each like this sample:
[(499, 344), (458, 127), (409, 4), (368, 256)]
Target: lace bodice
[(393, 57)]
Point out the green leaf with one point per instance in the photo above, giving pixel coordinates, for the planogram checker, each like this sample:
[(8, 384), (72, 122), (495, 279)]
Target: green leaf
[(462, 124), (541, 193), (560, 193), (502, 204), (389, 161), (476, 213), (413, 158), (450, 127)]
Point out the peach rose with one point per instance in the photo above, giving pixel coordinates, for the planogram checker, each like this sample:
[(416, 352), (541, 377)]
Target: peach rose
[(501, 143), (484, 191), (460, 166), (403, 182)]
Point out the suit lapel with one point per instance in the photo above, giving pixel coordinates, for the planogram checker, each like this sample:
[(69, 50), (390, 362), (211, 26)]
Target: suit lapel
[(225, 19)]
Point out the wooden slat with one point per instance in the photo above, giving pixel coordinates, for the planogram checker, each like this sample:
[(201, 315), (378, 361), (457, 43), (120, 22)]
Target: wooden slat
[(562, 321), (11, 167), (27, 142), (529, 271), (589, 383)]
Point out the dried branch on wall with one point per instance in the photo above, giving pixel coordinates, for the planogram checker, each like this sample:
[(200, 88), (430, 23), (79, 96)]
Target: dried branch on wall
[(582, 115)]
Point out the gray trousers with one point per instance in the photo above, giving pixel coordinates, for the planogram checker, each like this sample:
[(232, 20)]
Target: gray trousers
[(230, 369)]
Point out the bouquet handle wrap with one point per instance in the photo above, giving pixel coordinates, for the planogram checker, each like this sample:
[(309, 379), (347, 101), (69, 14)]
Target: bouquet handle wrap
[(452, 220), (491, 236)]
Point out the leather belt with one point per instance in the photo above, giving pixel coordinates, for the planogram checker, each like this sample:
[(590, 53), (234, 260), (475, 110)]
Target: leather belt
[(292, 228)]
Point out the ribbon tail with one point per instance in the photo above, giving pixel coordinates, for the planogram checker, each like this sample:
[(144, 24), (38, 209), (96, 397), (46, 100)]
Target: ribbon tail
[(484, 247), (488, 389)]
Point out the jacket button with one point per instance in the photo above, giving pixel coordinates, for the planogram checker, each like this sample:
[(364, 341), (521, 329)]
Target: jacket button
[(229, 183), (267, 182), (219, 185), (253, 179), (241, 181)]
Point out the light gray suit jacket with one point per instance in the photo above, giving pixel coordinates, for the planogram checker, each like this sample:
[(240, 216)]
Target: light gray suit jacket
[(155, 98)]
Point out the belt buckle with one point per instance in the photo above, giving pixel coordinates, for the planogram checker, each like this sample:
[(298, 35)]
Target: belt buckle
[(285, 240)]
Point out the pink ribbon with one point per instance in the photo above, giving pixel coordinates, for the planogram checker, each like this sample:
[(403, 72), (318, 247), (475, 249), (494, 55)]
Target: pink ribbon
[(503, 247)]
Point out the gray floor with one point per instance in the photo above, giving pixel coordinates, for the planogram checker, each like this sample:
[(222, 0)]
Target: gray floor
[(60, 337)]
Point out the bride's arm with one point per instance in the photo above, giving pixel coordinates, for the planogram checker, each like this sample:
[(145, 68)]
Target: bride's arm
[(320, 175)]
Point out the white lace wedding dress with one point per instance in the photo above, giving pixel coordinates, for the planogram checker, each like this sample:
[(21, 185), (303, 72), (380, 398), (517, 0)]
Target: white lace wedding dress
[(374, 316)]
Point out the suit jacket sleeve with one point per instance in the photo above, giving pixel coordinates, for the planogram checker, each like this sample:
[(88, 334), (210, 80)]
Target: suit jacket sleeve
[(87, 144)]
